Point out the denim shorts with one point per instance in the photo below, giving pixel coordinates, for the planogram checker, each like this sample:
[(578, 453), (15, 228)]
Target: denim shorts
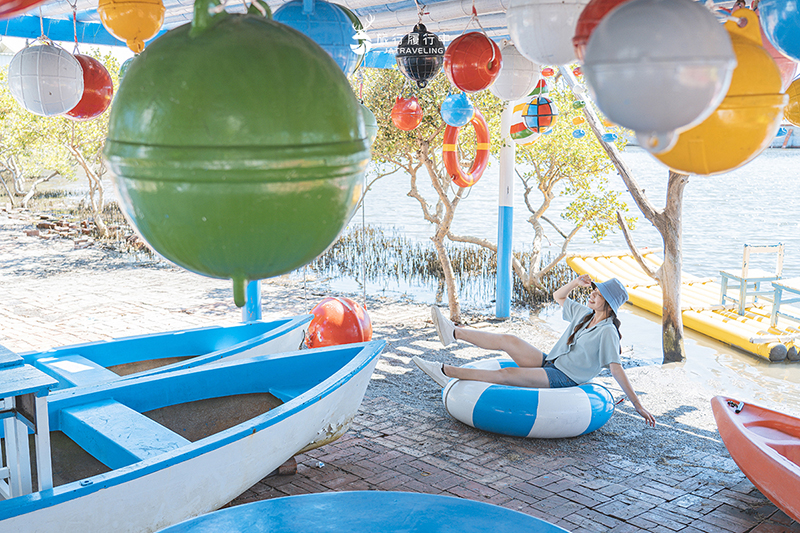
[(556, 377)]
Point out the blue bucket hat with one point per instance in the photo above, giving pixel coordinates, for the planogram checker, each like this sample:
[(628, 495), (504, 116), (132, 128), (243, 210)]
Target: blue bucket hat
[(613, 291)]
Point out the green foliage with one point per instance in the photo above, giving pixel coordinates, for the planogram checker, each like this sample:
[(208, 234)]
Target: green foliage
[(558, 164)]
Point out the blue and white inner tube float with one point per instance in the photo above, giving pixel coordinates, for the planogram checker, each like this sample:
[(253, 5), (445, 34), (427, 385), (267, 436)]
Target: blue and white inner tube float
[(527, 412)]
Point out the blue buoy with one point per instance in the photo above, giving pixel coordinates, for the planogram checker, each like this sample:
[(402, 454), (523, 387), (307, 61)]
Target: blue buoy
[(328, 26), (609, 137), (578, 134), (457, 110)]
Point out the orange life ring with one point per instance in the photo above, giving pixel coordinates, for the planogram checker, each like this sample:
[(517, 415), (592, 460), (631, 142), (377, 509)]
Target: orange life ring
[(450, 151)]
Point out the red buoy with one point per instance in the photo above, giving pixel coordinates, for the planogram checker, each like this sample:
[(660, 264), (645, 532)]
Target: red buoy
[(407, 113), (590, 17), (338, 321), (13, 8), (472, 62), (98, 89)]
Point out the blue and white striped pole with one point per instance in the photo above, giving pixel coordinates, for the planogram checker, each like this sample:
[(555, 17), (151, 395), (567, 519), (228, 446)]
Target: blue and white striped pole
[(505, 215), (252, 307)]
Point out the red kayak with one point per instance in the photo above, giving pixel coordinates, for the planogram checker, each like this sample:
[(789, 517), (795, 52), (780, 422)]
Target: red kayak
[(766, 446)]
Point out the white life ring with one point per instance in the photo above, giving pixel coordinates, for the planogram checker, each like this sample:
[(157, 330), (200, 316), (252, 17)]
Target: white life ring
[(527, 412)]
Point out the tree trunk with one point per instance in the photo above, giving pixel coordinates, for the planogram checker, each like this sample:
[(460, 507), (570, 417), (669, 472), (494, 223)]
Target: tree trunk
[(449, 278), (669, 274), (8, 191), (95, 186), (36, 183), (668, 223)]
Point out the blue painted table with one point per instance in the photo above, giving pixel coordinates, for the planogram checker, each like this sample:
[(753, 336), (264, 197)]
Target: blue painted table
[(368, 511)]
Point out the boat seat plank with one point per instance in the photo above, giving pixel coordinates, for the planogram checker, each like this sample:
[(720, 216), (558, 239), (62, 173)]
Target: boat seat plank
[(75, 370), (115, 434)]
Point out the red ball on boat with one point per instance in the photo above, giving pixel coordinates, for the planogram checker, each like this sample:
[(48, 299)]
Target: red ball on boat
[(407, 113), (472, 62), (338, 321), (98, 89), (590, 17)]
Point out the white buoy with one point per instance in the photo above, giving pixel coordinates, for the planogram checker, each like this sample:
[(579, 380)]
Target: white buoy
[(45, 79)]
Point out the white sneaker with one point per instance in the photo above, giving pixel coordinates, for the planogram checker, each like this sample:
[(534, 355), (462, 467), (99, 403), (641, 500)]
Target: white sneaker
[(434, 370), (444, 327)]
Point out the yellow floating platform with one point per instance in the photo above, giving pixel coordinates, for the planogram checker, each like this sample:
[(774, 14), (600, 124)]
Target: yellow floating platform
[(700, 304)]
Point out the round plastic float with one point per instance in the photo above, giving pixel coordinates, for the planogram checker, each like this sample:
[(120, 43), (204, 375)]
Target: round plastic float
[(226, 180), (527, 412), (450, 152), (657, 66), (781, 22), (541, 114), (746, 121), (406, 113), (98, 90), (370, 124), (420, 55), (365, 511), (792, 110), (14, 8), (588, 20), (517, 77), (338, 321), (457, 110), (785, 65), (45, 79), (361, 37), (521, 133), (132, 21), (328, 26), (542, 30), (124, 67), (472, 62)]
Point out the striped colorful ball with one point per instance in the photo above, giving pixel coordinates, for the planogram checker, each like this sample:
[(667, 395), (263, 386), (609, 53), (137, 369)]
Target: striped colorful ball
[(526, 412), (541, 114), (520, 133)]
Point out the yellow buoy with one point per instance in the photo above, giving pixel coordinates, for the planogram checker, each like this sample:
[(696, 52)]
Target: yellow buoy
[(132, 21), (792, 111), (746, 121)]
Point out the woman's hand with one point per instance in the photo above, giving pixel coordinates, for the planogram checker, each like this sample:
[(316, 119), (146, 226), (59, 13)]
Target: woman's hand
[(585, 280), (648, 418)]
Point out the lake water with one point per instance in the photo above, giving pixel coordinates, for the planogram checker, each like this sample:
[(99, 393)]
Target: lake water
[(756, 204)]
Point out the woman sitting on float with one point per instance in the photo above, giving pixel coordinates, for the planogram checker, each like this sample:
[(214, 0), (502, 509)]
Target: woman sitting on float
[(590, 343)]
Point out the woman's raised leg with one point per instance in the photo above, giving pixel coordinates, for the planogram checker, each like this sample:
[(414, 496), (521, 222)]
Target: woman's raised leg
[(523, 353), (515, 377)]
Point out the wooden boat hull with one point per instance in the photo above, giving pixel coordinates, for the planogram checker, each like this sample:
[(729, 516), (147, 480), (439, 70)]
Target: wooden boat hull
[(766, 446), (104, 361), (322, 390)]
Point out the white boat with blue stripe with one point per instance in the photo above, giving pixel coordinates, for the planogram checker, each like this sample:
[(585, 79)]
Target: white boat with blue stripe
[(91, 363), (140, 454), (527, 412)]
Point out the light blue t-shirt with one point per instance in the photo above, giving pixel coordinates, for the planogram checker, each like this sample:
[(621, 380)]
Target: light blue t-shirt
[(591, 350)]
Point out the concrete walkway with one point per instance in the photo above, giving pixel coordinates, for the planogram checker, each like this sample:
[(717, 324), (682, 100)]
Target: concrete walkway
[(624, 477)]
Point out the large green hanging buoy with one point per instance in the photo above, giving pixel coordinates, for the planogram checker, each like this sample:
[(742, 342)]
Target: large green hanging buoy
[(238, 147)]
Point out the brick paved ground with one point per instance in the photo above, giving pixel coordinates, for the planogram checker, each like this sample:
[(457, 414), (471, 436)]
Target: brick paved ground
[(623, 477), (395, 447)]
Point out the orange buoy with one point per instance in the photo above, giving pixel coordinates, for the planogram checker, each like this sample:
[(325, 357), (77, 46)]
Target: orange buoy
[(338, 321), (450, 152), (792, 111), (132, 21), (746, 121), (407, 113)]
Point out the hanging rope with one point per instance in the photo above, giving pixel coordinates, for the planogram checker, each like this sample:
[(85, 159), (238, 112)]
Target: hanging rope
[(75, 25), (475, 18)]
